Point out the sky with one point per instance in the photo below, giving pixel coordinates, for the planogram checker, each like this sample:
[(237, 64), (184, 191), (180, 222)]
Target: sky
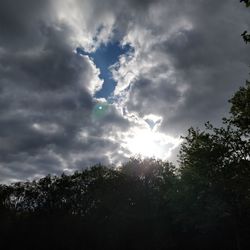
[(84, 82)]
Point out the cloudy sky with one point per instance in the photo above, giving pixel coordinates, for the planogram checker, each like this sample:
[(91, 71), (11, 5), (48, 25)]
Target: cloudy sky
[(89, 81)]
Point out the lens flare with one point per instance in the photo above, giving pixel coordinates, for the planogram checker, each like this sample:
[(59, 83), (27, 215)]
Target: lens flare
[(100, 110)]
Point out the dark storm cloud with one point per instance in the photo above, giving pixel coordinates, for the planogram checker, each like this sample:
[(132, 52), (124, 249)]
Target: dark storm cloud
[(45, 97), (212, 60), (20, 22), (164, 91), (208, 62), (190, 59)]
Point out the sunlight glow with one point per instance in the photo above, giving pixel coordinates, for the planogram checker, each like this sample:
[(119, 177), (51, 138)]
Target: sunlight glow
[(148, 143)]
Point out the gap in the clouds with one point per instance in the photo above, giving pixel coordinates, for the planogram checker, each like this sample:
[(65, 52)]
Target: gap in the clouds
[(105, 56)]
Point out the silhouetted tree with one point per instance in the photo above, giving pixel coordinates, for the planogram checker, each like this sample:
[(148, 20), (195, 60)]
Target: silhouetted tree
[(247, 2)]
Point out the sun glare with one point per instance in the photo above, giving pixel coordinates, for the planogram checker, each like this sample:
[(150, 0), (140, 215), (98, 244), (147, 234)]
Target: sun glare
[(149, 143)]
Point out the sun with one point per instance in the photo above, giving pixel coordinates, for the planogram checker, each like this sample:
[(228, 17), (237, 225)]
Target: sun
[(149, 143)]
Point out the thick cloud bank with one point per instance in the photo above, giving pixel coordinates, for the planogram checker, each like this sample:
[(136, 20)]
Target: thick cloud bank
[(187, 61)]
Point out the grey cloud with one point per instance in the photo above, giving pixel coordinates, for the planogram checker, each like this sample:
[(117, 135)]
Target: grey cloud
[(45, 98), (45, 104), (20, 22), (153, 96), (208, 59)]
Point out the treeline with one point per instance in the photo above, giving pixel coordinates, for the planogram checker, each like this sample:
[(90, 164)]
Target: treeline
[(204, 203)]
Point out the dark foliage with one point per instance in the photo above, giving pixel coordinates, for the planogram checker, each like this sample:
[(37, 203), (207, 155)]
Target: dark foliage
[(245, 35), (98, 208), (247, 2), (145, 204)]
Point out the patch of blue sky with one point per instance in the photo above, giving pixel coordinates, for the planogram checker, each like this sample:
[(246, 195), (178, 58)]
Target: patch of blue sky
[(105, 56)]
